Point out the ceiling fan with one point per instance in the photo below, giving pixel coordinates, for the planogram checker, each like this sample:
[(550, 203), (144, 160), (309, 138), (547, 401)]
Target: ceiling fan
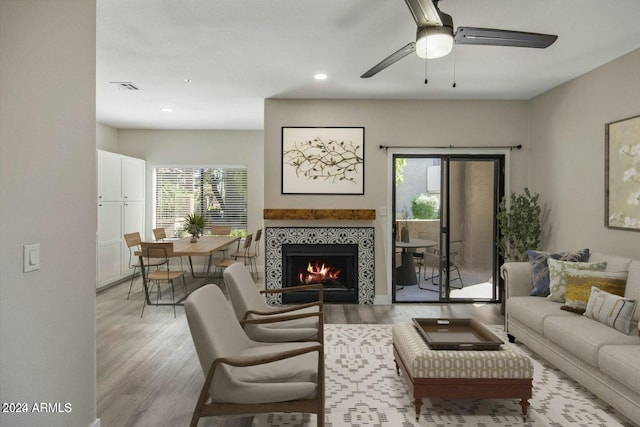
[(435, 36)]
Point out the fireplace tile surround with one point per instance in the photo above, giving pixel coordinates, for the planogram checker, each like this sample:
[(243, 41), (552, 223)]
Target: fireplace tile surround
[(275, 237)]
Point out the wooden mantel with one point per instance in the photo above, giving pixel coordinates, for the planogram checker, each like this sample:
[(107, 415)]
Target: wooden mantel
[(329, 214)]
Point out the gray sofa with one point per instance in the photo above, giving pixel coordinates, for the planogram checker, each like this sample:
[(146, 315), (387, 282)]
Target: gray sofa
[(602, 359)]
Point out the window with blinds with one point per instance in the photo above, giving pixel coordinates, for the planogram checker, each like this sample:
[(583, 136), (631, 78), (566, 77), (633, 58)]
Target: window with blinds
[(219, 193)]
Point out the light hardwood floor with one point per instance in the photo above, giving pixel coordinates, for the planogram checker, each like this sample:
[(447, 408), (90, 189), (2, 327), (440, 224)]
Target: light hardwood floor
[(148, 371)]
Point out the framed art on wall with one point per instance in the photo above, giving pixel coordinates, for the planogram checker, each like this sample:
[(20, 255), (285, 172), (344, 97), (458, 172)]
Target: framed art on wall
[(323, 160), (622, 177)]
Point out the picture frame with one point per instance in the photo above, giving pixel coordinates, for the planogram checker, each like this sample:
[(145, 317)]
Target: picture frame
[(323, 160), (622, 174)]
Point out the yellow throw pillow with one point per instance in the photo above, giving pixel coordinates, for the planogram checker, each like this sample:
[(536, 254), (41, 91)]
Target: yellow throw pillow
[(579, 284), (558, 275)]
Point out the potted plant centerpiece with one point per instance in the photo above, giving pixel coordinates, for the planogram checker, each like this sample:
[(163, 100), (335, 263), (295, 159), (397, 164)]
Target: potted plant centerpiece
[(194, 224)]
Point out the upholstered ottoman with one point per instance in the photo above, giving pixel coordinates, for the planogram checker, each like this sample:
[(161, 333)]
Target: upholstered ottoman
[(463, 374)]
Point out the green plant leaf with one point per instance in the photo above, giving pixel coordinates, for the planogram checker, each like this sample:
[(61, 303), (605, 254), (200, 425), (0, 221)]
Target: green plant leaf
[(519, 226)]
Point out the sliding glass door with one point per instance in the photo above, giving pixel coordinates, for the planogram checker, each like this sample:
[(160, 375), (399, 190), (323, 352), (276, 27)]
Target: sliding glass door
[(447, 205)]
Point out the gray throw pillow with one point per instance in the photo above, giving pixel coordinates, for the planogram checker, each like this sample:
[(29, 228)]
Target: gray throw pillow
[(540, 267)]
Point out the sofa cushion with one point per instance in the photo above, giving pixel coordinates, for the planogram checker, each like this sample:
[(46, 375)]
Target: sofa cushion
[(614, 263), (540, 267), (532, 311), (558, 275), (611, 310), (621, 362), (583, 337), (579, 284)]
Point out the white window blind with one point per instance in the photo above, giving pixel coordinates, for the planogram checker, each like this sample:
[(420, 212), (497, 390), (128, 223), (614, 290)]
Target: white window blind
[(219, 193)]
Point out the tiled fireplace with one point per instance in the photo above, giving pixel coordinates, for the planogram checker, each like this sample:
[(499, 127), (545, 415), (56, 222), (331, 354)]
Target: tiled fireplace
[(340, 258)]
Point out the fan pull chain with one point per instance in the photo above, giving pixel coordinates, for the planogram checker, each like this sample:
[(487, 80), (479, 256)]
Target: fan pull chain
[(425, 71), (454, 65)]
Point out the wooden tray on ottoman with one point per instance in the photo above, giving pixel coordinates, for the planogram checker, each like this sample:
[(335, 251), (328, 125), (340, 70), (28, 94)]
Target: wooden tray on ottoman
[(456, 334)]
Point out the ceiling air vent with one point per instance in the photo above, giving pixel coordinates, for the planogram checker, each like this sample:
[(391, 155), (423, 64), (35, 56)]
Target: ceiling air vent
[(126, 85)]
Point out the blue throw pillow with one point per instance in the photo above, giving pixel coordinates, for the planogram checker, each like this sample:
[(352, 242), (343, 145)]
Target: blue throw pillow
[(540, 271)]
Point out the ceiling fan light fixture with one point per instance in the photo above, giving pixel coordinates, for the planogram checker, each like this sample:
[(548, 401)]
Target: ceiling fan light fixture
[(434, 42)]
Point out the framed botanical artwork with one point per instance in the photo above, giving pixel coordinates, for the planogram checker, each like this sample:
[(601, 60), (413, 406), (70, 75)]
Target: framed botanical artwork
[(323, 160), (622, 174)]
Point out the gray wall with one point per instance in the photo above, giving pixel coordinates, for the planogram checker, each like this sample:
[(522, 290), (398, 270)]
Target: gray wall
[(47, 196), (567, 155), (413, 123), (106, 137)]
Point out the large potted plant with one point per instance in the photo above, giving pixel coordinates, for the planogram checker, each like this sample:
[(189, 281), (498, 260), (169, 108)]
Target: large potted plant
[(194, 224), (520, 225)]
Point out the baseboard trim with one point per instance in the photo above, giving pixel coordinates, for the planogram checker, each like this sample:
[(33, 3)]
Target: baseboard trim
[(381, 300)]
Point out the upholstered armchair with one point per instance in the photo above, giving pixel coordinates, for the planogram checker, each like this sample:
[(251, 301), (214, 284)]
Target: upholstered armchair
[(250, 304), (243, 376)]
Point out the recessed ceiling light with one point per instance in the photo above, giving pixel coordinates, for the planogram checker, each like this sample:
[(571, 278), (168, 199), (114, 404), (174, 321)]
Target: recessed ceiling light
[(320, 76), (187, 80), (166, 110)]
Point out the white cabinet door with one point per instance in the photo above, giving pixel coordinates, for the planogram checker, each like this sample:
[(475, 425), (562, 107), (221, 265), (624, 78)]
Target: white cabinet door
[(110, 237), (133, 173), (110, 222), (134, 218), (109, 176), (109, 263), (121, 194)]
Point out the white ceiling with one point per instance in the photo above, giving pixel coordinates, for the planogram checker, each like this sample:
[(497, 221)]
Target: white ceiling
[(239, 52)]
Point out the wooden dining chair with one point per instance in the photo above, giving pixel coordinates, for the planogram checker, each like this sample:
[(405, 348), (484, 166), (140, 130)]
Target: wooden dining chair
[(220, 230), (244, 253), (220, 265), (133, 241), (248, 256), (159, 234), (161, 251)]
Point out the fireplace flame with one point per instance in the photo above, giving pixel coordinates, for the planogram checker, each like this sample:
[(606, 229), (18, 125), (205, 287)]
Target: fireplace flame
[(319, 273)]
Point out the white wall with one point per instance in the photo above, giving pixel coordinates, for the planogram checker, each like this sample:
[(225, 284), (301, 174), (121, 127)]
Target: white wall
[(106, 137), (200, 147), (567, 155), (393, 123), (47, 196)]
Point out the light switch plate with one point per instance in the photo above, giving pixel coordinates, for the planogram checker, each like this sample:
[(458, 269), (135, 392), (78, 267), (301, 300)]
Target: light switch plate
[(31, 257)]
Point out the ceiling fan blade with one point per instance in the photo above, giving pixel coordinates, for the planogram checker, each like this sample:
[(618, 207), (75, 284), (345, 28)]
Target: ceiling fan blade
[(493, 37), (389, 60), (424, 12)]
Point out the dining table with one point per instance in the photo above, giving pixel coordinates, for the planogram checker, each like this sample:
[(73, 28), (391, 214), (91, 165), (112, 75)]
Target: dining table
[(406, 273), (205, 246)]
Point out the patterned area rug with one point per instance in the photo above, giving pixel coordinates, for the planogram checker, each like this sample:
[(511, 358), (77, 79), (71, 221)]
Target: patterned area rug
[(363, 389)]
